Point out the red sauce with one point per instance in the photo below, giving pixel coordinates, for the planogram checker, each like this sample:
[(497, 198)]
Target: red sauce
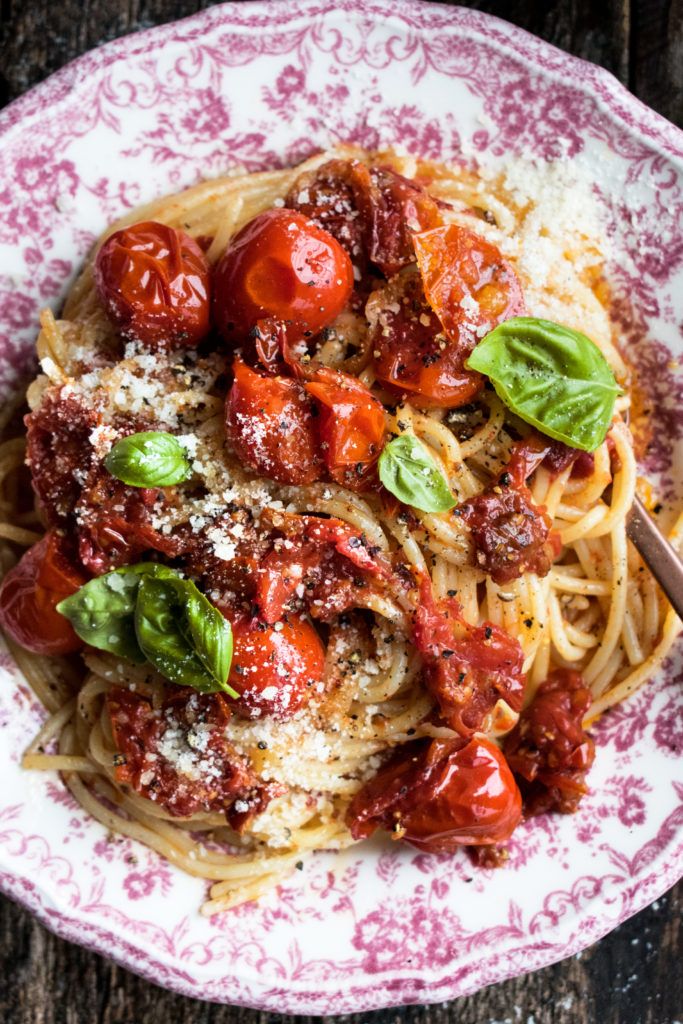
[(549, 751), (191, 722)]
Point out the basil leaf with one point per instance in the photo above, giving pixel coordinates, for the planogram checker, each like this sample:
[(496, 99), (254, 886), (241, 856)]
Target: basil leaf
[(102, 610), (407, 470), (551, 376), (167, 625), (149, 459), (210, 634)]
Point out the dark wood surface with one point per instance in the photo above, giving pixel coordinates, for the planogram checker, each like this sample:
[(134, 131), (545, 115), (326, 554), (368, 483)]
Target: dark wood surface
[(635, 975)]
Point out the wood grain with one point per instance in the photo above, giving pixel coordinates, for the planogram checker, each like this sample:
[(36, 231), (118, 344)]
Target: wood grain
[(634, 975)]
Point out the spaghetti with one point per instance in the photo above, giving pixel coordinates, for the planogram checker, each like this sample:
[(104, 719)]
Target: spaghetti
[(595, 611)]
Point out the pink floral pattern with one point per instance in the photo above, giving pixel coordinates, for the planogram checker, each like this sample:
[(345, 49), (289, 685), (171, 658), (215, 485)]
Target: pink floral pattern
[(261, 86)]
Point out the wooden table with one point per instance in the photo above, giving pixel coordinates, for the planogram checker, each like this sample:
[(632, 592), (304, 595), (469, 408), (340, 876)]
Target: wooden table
[(635, 976)]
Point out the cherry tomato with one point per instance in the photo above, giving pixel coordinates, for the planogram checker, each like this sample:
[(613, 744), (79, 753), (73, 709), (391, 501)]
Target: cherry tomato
[(154, 281), (270, 422), (440, 794), (467, 668), (351, 426), (115, 523), (412, 355), (30, 592), (275, 669), (322, 561), (281, 265), (468, 284), (371, 211), (510, 533), (549, 750)]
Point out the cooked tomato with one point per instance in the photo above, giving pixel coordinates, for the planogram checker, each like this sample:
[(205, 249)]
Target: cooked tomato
[(439, 795), (30, 593), (412, 355), (178, 755), (371, 211), (468, 283), (398, 207), (59, 452), (329, 196), (350, 424), (153, 282), (270, 423), (511, 534), (467, 668), (281, 265), (325, 564), (548, 750), (114, 523), (275, 669), (560, 455)]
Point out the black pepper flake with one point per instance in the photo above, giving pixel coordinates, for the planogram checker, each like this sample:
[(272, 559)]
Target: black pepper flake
[(299, 865), (451, 593), (488, 632), (504, 479), (528, 623), (446, 653), (262, 745), (118, 760)]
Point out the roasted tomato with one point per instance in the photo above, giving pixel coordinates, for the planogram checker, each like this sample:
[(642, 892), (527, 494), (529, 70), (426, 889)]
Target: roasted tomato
[(30, 593), (350, 424), (178, 755), (398, 207), (440, 794), (325, 565), (511, 534), (549, 751), (412, 355), (371, 211), (275, 669), (468, 668), (58, 452), (270, 423), (468, 283), (153, 282), (115, 523), (281, 265)]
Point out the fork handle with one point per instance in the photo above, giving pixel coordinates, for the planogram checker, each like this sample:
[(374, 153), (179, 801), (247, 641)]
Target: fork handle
[(661, 559)]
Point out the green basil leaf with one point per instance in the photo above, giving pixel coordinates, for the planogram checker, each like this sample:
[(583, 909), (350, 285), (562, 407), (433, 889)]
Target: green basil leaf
[(552, 377), (168, 629), (211, 636), (407, 470), (149, 459), (102, 610)]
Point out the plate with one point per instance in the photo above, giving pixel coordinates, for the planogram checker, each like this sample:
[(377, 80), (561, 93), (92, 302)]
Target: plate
[(263, 85)]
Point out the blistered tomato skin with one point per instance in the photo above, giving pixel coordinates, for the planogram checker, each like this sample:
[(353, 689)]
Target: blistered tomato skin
[(270, 423), (277, 668), (439, 795), (281, 265), (154, 283), (30, 592)]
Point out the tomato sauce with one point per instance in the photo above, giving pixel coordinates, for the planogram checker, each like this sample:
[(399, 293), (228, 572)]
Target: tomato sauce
[(177, 755)]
